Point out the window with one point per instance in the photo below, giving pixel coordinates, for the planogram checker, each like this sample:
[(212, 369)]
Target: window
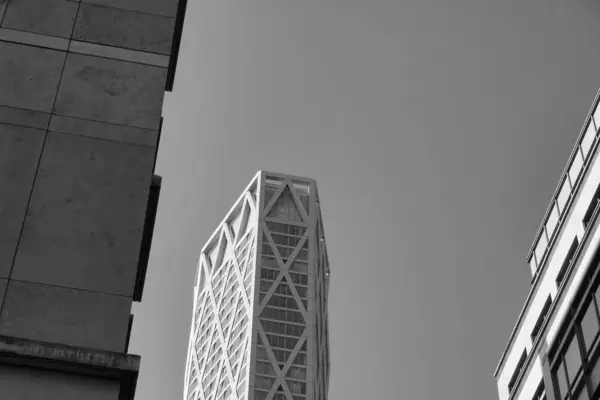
[(264, 382), (540, 392), (260, 395), (563, 195), (591, 208), (568, 259), (541, 319), (552, 221), (297, 387), (261, 353), (588, 138), (589, 325), (297, 373), (540, 248), (576, 165), (595, 374), (572, 359), (518, 368)]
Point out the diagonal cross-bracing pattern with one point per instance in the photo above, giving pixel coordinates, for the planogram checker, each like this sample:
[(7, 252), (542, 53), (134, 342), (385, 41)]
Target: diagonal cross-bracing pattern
[(259, 330)]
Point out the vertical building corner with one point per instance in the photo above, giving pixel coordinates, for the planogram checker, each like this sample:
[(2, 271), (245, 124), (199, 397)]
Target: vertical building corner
[(82, 84)]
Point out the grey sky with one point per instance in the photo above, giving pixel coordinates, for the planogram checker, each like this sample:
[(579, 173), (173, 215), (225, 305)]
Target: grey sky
[(436, 130)]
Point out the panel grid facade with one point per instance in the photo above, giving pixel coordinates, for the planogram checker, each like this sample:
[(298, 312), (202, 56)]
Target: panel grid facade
[(260, 323)]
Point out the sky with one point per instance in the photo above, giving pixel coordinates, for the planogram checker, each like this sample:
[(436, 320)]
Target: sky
[(436, 130)]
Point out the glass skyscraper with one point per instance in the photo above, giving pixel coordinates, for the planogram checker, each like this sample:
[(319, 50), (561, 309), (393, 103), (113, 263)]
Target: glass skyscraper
[(259, 330)]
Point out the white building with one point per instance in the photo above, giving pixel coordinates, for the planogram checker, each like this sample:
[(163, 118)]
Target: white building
[(553, 350), (259, 330)]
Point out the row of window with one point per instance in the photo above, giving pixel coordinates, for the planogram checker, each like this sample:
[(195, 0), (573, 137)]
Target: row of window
[(285, 252), (239, 323), (272, 274), (210, 380), (265, 368), (221, 271), (299, 279), (284, 289), (293, 372), (245, 259), (576, 370), (278, 314), (263, 382), (269, 274), (285, 208), (279, 395), (582, 151), (245, 240), (296, 266), (265, 286), (230, 302), (282, 328), (282, 356), (241, 388), (283, 302), (244, 246), (286, 229), (569, 258), (289, 241), (212, 355), (282, 342)]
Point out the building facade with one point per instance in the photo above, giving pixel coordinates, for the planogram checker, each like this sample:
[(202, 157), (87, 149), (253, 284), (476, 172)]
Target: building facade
[(553, 351), (81, 92), (259, 329)]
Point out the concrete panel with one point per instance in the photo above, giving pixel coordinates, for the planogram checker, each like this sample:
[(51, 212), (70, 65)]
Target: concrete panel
[(167, 8), (29, 76), (84, 223), (34, 39), (122, 28), (19, 116), (111, 91), (118, 53), (25, 383), (20, 150), (68, 316), (48, 17), (102, 130)]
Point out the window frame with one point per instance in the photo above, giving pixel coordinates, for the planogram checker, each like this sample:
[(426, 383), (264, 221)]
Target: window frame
[(541, 319), (514, 379), (568, 261)]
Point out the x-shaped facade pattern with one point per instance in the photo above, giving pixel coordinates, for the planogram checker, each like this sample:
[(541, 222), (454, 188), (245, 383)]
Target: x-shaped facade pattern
[(259, 330)]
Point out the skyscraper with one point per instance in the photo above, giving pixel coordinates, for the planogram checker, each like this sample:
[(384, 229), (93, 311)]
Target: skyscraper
[(553, 351), (259, 330)]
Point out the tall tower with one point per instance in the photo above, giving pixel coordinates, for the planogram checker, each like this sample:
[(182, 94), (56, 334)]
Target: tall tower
[(259, 330), (553, 352), (82, 84)]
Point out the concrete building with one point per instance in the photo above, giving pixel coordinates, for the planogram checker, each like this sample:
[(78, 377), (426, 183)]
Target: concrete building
[(553, 351), (259, 330), (81, 93)]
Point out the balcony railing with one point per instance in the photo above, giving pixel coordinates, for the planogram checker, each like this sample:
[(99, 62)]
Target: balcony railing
[(580, 157)]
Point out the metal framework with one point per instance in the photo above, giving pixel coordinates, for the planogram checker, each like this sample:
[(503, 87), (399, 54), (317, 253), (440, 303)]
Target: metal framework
[(259, 330)]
